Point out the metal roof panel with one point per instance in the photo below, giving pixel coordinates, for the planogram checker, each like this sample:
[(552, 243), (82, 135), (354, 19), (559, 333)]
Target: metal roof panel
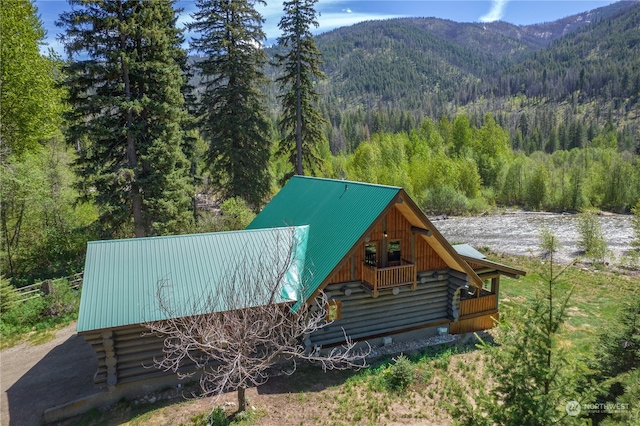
[(121, 277)]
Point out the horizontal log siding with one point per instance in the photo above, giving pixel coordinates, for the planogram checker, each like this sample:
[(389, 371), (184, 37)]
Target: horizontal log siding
[(124, 355), (398, 228), (363, 316), (470, 325), (479, 304)]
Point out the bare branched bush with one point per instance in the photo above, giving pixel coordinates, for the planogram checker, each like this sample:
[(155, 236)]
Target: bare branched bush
[(246, 325)]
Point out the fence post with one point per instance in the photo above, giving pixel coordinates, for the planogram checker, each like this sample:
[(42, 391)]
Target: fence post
[(47, 287)]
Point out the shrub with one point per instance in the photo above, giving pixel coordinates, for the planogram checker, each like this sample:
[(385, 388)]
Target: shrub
[(635, 224), (549, 243), (399, 375), (8, 295), (445, 199), (592, 240)]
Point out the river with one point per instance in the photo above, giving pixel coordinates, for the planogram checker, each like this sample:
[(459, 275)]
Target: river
[(518, 232)]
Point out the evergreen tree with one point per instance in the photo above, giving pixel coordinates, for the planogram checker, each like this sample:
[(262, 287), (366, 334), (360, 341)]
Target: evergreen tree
[(531, 378), (301, 120), (128, 110), (232, 104)]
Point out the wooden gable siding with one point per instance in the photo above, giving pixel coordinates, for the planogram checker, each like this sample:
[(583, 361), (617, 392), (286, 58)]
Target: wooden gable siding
[(398, 228), (363, 316)]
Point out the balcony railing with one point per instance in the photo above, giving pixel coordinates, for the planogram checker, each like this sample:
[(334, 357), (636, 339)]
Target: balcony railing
[(393, 276), (476, 305)]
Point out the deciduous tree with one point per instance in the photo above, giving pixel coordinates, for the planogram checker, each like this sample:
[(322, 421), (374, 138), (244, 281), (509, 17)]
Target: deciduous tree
[(249, 327), (30, 106)]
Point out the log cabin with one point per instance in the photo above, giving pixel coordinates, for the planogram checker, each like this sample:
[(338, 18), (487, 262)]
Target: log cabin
[(387, 270)]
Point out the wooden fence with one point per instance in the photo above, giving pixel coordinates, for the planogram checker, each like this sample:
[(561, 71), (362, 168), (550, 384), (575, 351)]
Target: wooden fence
[(46, 287)]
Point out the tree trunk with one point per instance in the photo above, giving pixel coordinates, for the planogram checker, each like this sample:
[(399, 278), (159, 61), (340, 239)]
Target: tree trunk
[(132, 159), (242, 400), (299, 168)]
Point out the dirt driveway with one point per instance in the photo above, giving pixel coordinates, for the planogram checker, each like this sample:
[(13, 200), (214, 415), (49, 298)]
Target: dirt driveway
[(35, 378)]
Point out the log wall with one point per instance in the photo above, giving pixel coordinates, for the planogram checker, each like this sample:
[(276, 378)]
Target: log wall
[(126, 354), (364, 316)]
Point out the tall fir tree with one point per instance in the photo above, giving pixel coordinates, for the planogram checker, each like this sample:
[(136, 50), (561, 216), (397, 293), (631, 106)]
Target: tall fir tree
[(301, 121), (231, 109), (128, 111)]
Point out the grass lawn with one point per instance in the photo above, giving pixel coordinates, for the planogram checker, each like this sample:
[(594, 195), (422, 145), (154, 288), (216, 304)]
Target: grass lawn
[(311, 397)]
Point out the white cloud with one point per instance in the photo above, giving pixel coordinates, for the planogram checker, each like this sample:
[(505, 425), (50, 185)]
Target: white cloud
[(497, 11), (346, 10)]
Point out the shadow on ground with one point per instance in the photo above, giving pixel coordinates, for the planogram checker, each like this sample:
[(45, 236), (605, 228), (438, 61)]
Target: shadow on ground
[(63, 375)]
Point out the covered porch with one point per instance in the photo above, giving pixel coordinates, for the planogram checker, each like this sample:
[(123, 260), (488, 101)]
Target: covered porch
[(375, 279)]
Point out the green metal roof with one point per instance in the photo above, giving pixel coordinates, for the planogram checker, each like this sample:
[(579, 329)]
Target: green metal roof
[(467, 250), (121, 277), (338, 214)]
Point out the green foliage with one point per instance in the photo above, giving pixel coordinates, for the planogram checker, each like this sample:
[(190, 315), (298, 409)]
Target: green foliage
[(444, 200), (635, 223), (400, 374), (40, 313), (129, 116), (8, 295), (31, 103), (231, 108), (592, 240), (234, 215), (528, 378), (217, 417), (301, 121), (45, 229), (617, 362), (618, 350), (549, 242)]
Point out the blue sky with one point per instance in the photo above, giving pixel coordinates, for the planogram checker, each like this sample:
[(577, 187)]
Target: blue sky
[(334, 14)]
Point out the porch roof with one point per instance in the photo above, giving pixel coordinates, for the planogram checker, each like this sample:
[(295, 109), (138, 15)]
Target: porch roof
[(471, 255)]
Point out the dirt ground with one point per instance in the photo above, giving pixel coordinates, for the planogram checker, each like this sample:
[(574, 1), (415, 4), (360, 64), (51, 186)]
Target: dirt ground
[(35, 378)]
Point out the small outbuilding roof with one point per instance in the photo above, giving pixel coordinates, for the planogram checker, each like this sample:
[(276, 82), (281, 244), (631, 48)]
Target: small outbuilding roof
[(121, 277), (472, 255)]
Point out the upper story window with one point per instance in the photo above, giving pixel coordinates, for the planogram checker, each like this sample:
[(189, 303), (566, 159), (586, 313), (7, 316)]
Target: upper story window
[(371, 254), (394, 255)]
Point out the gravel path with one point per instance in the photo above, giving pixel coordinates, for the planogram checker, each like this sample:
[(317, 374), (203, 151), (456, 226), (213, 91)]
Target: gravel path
[(35, 378)]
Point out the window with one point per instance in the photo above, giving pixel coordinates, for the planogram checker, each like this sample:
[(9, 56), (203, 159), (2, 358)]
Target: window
[(394, 255), (371, 254), (334, 310)]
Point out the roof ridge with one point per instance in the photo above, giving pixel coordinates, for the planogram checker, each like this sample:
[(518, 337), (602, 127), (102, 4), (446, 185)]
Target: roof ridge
[(197, 234), (346, 181)]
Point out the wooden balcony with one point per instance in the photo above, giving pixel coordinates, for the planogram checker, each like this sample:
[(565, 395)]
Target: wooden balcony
[(377, 279), (486, 303)]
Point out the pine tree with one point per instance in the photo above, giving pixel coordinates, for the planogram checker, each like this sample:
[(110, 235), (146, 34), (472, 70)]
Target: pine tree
[(231, 109), (128, 112), (301, 121)]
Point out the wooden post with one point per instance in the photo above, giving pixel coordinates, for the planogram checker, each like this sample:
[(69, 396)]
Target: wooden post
[(353, 267), (47, 287), (110, 359), (384, 249)]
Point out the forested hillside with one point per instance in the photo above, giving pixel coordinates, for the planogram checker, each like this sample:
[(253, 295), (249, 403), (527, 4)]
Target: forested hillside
[(388, 75)]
